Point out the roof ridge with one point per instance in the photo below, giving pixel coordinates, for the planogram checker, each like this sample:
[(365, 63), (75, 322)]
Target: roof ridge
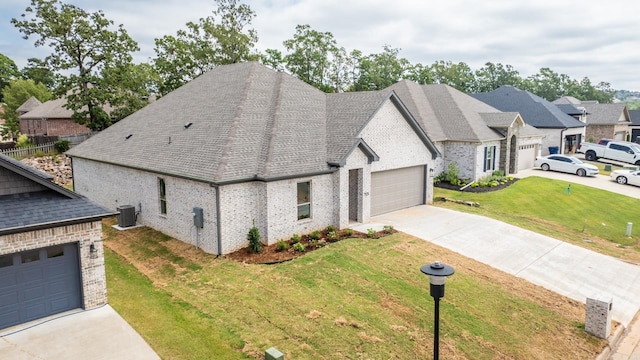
[(226, 152), (272, 125)]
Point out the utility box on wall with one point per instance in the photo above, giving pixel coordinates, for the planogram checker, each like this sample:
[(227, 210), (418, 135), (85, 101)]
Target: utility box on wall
[(598, 316), (198, 217)]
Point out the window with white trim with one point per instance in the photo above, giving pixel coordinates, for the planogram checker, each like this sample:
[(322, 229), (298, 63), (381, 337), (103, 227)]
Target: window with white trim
[(162, 195), (489, 158), (304, 200)]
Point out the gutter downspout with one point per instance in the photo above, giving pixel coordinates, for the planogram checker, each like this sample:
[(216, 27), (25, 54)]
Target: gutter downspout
[(561, 149), (218, 217)]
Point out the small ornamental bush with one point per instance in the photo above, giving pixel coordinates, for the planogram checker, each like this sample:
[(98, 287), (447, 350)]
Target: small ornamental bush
[(23, 141), (62, 145), (299, 247), (331, 228), (371, 233), (255, 246), (315, 235), (282, 245), (347, 232), (388, 229), (295, 238), (332, 235)]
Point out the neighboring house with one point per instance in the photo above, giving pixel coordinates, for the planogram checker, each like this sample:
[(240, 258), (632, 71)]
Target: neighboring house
[(634, 127), (28, 105), (478, 138), (254, 147), (563, 133), (51, 255), (604, 121), (50, 118)]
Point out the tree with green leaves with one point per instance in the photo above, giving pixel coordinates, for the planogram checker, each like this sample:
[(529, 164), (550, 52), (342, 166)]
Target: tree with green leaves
[(378, 71), (310, 56), (491, 76), (15, 94), (219, 39), (8, 72), (83, 45), (38, 71), (459, 76)]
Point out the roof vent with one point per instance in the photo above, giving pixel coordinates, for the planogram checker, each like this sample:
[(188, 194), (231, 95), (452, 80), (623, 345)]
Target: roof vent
[(186, 125), (128, 136)]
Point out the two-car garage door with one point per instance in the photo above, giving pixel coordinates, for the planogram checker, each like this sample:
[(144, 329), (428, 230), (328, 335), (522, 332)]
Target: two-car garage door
[(38, 283), (397, 189)]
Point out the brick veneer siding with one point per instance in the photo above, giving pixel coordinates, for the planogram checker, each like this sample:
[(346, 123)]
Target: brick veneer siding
[(12, 183), (94, 289), (52, 127), (125, 186)]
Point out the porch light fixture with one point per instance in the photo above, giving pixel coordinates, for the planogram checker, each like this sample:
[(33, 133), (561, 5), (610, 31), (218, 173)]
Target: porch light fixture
[(437, 275), (93, 252)]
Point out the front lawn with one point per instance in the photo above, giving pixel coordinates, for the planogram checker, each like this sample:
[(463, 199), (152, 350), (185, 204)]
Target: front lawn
[(585, 216), (354, 299)]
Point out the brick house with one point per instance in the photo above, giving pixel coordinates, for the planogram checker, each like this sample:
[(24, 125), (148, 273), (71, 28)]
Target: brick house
[(50, 118), (478, 138), (51, 255), (604, 121), (562, 132), (252, 146), (634, 127)]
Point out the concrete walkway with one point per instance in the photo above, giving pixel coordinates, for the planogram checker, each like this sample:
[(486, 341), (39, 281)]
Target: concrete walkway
[(99, 334), (566, 269)]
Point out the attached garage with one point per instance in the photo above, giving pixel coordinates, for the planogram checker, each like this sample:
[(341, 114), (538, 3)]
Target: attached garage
[(397, 189), (526, 156), (39, 283)]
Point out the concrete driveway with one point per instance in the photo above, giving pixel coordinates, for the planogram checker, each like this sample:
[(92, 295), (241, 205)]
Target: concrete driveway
[(567, 269), (99, 334)]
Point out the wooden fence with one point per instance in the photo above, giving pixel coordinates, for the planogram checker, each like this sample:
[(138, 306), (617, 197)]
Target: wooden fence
[(21, 153)]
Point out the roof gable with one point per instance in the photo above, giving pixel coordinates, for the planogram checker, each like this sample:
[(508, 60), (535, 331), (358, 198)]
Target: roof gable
[(28, 105), (534, 110)]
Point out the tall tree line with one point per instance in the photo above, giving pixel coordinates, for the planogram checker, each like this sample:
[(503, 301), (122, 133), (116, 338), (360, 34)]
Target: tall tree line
[(91, 63)]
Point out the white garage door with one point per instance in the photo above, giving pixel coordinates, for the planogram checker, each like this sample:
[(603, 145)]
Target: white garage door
[(526, 156), (397, 189), (38, 283)]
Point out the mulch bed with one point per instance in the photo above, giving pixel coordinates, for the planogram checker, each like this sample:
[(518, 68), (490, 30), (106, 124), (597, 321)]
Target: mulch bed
[(271, 255), (477, 189)]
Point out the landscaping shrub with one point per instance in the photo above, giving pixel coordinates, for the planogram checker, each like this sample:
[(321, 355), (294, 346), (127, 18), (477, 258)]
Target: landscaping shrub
[(331, 228), (295, 238), (347, 232), (299, 247), (388, 229), (371, 233), (23, 141), (282, 245), (315, 235), (255, 246), (62, 145), (332, 235)]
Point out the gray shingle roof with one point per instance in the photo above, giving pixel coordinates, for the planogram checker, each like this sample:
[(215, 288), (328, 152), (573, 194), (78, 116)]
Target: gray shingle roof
[(446, 113), (43, 209), (29, 105), (53, 109), (606, 114), (534, 110), (635, 117), (248, 122)]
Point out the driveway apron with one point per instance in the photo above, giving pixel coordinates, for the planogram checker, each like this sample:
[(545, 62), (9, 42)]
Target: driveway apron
[(566, 269)]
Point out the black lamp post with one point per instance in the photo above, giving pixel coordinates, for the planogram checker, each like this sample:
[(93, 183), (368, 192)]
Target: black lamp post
[(437, 275)]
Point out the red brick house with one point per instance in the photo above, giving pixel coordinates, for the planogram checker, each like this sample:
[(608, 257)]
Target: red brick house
[(50, 118)]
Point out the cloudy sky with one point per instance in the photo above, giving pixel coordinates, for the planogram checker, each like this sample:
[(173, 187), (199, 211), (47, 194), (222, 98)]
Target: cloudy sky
[(595, 39)]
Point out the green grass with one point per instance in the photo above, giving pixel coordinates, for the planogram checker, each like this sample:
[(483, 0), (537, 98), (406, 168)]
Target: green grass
[(357, 298), (585, 215)]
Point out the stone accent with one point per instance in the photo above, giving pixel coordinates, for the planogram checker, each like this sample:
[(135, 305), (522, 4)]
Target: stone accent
[(94, 288), (58, 166), (598, 316)]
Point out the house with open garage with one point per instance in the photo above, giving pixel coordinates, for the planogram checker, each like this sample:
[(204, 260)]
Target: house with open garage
[(51, 255), (244, 146), (604, 121), (478, 138), (562, 132)]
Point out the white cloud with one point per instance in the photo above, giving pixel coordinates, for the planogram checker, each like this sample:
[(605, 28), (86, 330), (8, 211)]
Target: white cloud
[(581, 39)]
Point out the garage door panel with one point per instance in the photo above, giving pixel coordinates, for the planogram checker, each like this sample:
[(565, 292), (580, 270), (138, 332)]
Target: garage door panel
[(36, 285), (397, 189)]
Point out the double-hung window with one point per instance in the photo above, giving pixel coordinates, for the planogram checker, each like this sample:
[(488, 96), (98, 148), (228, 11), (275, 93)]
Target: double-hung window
[(304, 200), (489, 158), (162, 195)]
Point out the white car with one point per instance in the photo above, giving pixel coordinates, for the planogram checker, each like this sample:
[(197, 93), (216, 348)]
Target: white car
[(631, 177), (567, 164)]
